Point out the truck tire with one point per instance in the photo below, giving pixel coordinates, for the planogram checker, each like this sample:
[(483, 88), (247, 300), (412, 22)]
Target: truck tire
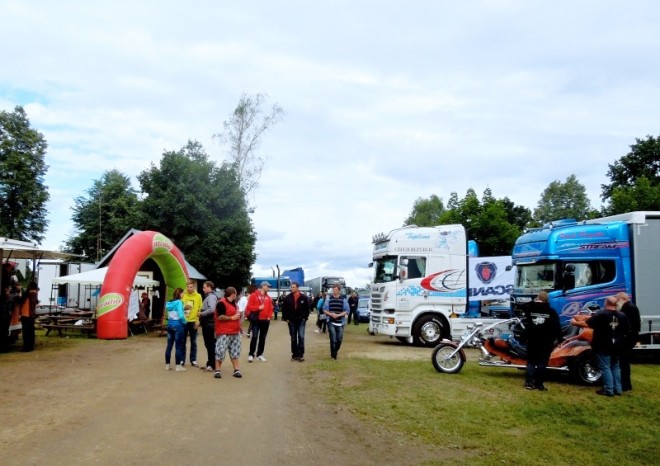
[(429, 330), (447, 365), (584, 369)]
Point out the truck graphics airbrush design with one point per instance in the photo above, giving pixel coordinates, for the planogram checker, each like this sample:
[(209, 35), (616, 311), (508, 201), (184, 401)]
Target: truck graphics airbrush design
[(580, 264), (422, 282)]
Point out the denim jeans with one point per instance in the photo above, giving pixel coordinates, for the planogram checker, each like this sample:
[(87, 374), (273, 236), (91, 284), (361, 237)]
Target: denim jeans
[(192, 331), (297, 333), (611, 372), (336, 336), (176, 336)]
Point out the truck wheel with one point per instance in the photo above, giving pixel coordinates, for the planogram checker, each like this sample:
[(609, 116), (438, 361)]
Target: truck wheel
[(584, 369), (428, 331), (443, 363)]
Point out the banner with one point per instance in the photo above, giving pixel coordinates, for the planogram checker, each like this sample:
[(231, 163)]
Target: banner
[(489, 278)]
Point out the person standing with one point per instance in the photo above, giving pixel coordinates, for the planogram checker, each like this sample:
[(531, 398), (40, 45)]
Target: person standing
[(227, 332), (28, 315), (193, 300), (335, 307), (543, 332), (322, 319), (241, 305), (353, 306), (295, 311), (176, 324), (632, 313), (260, 303), (145, 305), (611, 330), (207, 322)]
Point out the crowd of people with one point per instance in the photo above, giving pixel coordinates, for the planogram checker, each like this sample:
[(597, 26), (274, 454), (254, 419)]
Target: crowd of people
[(13, 299), (613, 333), (221, 321)]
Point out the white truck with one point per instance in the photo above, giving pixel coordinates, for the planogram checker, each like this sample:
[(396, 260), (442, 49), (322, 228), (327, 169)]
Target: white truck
[(325, 283), (421, 284)]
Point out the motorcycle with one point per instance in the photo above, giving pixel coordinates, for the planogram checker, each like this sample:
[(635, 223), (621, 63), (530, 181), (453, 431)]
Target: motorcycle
[(500, 349)]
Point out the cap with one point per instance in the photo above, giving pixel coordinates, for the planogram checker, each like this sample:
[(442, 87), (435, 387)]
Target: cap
[(265, 283)]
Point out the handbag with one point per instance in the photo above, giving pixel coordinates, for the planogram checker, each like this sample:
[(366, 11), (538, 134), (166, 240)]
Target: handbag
[(253, 316)]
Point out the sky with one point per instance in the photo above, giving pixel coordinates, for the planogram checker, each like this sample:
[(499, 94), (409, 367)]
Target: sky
[(385, 102)]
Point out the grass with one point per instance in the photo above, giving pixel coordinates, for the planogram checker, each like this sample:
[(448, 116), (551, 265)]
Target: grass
[(44, 344), (486, 416)]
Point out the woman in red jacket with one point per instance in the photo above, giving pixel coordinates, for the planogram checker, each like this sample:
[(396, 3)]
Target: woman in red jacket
[(227, 332), (260, 305)]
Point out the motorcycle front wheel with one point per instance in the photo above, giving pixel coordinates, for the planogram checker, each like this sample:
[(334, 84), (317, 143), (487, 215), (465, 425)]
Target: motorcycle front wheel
[(443, 362)]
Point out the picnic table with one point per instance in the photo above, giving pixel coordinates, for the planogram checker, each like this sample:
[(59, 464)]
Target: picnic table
[(83, 321)]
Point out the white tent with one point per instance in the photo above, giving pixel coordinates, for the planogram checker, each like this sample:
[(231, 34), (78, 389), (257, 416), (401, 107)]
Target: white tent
[(96, 277)]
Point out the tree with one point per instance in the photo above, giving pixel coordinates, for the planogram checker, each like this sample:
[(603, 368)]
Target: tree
[(202, 208), (563, 200), (491, 222), (243, 132), (23, 195), (426, 212), (635, 179), (103, 217)]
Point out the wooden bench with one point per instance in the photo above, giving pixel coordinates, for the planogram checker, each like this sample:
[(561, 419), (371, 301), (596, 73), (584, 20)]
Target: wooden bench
[(88, 327)]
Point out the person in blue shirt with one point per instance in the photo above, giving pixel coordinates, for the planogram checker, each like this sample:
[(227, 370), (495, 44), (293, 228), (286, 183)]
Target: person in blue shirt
[(176, 323), (336, 308)]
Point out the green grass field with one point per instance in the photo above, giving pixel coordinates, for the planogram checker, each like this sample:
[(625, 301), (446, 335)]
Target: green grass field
[(486, 416)]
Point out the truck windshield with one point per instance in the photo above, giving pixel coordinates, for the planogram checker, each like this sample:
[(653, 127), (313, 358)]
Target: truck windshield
[(385, 269), (535, 277)]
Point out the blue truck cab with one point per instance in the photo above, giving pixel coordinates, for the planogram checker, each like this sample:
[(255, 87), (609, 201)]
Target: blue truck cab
[(580, 264)]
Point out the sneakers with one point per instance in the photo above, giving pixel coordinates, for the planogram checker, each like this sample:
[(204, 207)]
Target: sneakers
[(180, 368), (217, 375), (529, 387), (301, 359), (604, 393), (209, 369), (261, 358), (237, 374), (316, 331), (194, 364), (167, 367), (295, 358), (250, 358)]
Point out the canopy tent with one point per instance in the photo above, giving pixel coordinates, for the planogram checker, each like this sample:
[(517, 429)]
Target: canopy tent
[(15, 249), (97, 276)]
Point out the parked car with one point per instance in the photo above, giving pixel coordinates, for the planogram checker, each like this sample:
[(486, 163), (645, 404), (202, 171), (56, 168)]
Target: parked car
[(363, 311)]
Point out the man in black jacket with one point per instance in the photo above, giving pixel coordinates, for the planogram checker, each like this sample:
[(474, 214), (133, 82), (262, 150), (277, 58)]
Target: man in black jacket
[(295, 311), (543, 332), (632, 313)]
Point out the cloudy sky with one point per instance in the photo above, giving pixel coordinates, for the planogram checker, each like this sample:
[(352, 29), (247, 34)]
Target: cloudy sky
[(385, 101)]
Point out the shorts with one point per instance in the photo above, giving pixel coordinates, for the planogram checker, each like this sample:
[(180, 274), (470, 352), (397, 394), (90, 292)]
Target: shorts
[(230, 343)]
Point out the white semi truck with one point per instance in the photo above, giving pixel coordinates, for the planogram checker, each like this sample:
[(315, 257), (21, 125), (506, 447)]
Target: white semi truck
[(421, 284)]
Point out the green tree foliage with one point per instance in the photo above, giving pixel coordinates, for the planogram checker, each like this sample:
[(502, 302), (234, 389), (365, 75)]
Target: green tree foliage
[(102, 217), (202, 208), (23, 195), (487, 221), (243, 133), (635, 179), (494, 223), (426, 212), (563, 200)]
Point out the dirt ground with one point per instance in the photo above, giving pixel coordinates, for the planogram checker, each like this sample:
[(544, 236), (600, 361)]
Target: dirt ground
[(112, 402)]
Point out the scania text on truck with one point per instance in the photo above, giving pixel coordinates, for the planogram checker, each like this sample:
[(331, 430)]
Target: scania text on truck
[(580, 264), (421, 279)]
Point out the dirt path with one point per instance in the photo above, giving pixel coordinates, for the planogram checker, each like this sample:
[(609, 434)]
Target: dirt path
[(111, 402)]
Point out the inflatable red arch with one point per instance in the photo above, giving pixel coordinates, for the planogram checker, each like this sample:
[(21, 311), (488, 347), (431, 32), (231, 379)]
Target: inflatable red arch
[(112, 310)]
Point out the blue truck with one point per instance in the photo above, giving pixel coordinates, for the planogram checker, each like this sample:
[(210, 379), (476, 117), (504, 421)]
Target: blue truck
[(581, 263)]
